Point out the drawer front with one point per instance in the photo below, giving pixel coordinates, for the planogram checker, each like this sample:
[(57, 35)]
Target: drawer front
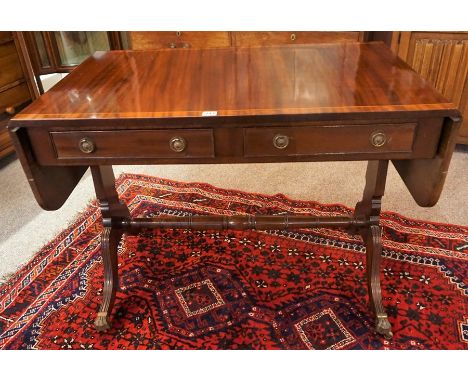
[(172, 143), (316, 140), (14, 96), (10, 65), (158, 40), (280, 38)]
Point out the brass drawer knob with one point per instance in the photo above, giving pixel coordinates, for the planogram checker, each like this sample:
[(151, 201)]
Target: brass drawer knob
[(172, 45), (86, 146), (378, 139), (10, 110), (293, 36), (177, 144), (281, 141)]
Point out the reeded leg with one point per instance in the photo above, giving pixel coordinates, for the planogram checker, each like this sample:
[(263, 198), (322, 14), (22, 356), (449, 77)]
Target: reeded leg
[(373, 239), (369, 209), (113, 212), (110, 239)]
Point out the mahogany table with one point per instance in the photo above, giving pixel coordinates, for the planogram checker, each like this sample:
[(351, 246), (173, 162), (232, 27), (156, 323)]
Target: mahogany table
[(325, 102)]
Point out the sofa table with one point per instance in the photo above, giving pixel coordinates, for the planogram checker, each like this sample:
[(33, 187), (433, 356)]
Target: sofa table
[(324, 102)]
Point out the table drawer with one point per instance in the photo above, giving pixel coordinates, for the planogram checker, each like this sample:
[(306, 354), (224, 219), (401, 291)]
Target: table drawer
[(173, 143), (314, 140)]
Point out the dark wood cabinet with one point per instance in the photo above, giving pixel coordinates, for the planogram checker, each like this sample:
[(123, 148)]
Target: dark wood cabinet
[(15, 86)]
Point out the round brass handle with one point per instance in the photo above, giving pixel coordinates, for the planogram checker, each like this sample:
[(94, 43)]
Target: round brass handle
[(177, 144), (378, 139), (293, 36), (281, 141), (10, 110), (86, 146), (172, 45)]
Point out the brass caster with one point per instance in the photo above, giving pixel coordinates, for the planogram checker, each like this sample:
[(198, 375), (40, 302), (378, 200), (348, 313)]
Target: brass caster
[(102, 323), (383, 327)]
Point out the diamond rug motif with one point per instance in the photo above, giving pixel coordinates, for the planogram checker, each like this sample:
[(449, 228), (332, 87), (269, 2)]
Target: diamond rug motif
[(183, 289)]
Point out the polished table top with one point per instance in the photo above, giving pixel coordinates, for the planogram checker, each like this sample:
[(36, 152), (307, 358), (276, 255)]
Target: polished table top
[(284, 80)]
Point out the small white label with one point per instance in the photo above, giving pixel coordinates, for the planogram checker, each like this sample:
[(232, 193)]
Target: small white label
[(209, 113)]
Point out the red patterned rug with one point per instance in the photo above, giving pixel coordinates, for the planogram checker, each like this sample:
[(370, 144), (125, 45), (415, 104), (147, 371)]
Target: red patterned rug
[(238, 290)]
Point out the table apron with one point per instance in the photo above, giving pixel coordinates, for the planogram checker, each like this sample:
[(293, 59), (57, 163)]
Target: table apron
[(329, 141)]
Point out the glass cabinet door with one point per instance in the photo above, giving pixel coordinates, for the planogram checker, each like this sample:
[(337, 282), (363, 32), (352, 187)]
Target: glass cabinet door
[(55, 53), (60, 52), (75, 47)]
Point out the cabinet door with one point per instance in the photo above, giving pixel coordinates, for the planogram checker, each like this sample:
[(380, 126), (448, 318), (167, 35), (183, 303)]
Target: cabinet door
[(441, 58), (281, 38), (160, 40)]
